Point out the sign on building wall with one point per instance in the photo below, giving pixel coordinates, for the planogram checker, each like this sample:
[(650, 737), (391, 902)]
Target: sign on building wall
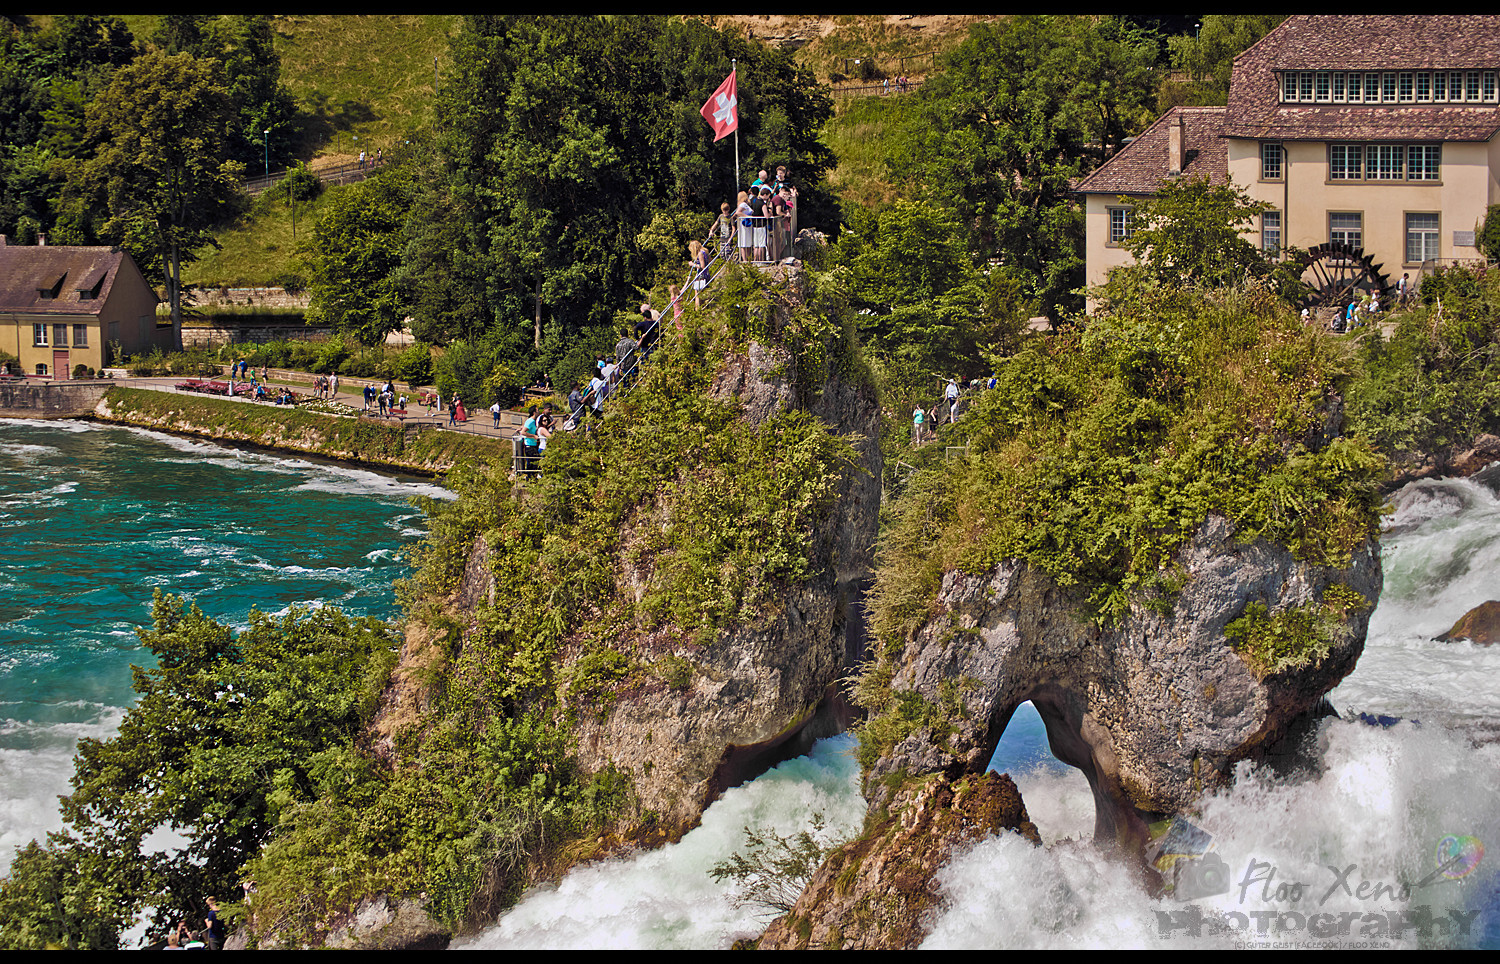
[(1463, 239)]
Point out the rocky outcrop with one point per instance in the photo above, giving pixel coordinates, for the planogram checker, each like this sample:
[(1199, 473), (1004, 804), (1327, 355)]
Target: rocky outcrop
[(880, 891), (1480, 625), (1153, 710), (1460, 460), (758, 694)]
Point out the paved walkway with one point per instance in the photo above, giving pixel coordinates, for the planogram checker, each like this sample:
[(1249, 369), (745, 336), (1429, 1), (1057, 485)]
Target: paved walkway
[(510, 422)]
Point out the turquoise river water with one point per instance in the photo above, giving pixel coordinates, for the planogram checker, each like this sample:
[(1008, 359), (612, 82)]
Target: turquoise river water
[(94, 518)]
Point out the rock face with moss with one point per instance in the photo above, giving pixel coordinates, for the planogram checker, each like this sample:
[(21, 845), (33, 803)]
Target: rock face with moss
[(1159, 537), (594, 655), (1153, 709), (762, 689)]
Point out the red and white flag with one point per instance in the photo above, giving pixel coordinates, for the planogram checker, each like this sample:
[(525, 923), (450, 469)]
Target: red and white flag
[(721, 111)]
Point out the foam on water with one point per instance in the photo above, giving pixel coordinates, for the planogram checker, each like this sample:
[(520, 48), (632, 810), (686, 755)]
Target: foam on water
[(665, 898)]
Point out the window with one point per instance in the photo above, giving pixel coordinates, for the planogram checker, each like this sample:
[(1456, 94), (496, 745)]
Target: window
[(1372, 88), (1345, 162), (1270, 162), (1490, 92), (1339, 95), (80, 336), (1305, 86), (1439, 87), (1346, 228), (39, 335), (1424, 88), (1405, 88), (1471, 86), (1384, 162), (1388, 88), (60, 336), (1322, 92), (1455, 86), (1424, 161), (1288, 85), (1421, 237), (1121, 224), (1270, 232), (1387, 162), (41, 368)]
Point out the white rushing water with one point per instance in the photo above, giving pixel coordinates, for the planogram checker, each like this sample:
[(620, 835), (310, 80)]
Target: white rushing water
[(1386, 806)]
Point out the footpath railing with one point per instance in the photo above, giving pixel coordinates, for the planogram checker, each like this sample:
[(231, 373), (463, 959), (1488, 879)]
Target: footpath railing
[(341, 174)]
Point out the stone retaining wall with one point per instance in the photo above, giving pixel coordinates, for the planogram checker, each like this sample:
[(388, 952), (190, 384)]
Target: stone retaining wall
[(32, 398)]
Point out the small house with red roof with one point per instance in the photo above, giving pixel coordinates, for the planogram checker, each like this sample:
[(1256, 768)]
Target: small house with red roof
[(65, 306)]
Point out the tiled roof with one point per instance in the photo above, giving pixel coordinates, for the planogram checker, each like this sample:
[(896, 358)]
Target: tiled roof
[(1142, 165), (24, 269), (1363, 43)]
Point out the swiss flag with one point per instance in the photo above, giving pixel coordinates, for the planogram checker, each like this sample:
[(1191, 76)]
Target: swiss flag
[(721, 111)]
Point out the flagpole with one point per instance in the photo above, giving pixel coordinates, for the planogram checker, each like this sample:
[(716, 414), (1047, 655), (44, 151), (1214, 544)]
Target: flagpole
[(734, 70)]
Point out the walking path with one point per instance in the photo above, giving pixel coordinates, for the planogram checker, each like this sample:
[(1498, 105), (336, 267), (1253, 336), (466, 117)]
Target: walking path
[(480, 423)]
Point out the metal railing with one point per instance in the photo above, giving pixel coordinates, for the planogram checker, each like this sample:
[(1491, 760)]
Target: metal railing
[(342, 174)]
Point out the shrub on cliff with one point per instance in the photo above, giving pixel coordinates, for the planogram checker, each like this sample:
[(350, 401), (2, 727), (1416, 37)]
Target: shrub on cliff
[(1101, 451), (1436, 382)]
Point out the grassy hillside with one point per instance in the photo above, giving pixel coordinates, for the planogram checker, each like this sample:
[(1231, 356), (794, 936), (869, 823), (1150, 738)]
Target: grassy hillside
[(366, 79)]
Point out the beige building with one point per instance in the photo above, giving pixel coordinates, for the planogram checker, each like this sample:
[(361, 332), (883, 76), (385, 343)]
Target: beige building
[(1374, 134), (61, 307)]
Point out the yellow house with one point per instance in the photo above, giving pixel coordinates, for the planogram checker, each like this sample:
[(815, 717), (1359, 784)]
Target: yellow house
[(1372, 138), (61, 307)]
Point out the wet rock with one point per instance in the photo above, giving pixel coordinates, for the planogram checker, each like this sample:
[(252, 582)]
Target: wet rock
[(1480, 625), (880, 891), (1155, 709)]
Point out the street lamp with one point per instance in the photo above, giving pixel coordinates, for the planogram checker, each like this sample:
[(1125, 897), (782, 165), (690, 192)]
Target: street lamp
[(267, 142)]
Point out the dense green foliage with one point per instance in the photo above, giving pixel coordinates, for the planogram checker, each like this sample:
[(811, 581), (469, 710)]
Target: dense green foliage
[(1436, 382), (1190, 233), (1207, 57), (1007, 124), (1100, 453), (560, 139), (223, 723)]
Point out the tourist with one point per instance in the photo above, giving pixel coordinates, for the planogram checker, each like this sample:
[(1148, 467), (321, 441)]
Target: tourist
[(545, 425), (458, 407), (333, 385), (724, 227), (951, 394), (213, 927), (917, 417), (495, 414), (647, 330), (745, 215), (757, 204), (452, 410), (575, 402), (531, 441), (778, 222), (700, 260)]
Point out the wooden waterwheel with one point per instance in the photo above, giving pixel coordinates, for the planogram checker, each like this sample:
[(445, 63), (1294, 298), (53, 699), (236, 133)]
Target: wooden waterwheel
[(1336, 273)]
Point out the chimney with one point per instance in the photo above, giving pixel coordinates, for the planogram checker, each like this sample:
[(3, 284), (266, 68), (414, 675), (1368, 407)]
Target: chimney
[(1174, 146)]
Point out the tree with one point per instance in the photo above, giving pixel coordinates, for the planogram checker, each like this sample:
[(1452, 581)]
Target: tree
[(352, 258), (560, 138), (1190, 233), (222, 722), (1009, 122), (160, 131), (1487, 233), (1207, 57)]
